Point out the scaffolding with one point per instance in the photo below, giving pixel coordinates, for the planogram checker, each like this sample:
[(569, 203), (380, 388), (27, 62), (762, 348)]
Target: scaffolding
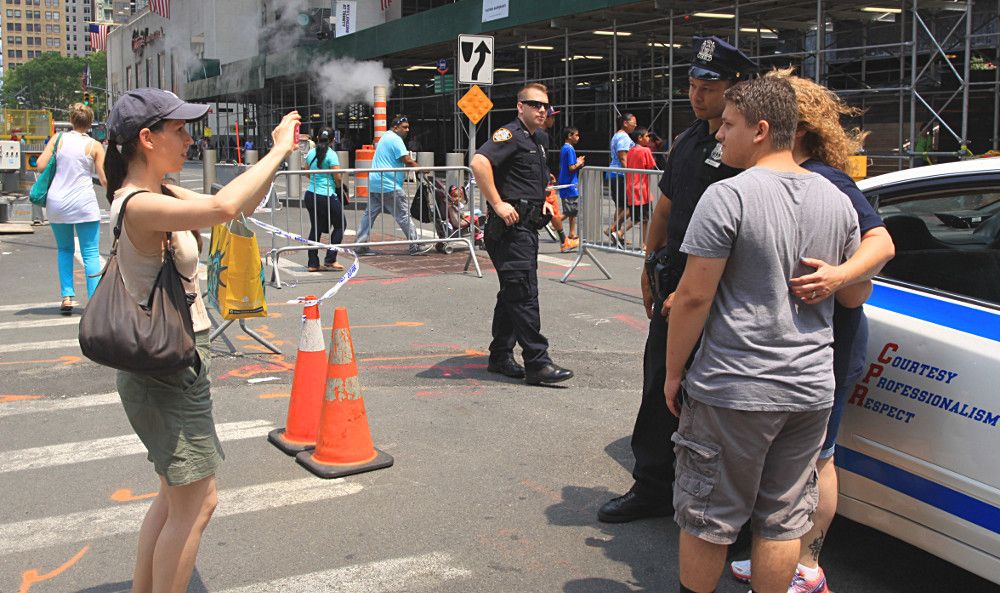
[(922, 70)]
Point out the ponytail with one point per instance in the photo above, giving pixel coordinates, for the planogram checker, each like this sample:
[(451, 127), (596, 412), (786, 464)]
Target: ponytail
[(115, 168), (322, 145)]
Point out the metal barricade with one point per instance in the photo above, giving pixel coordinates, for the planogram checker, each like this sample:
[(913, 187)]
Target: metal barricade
[(614, 211), (392, 224)]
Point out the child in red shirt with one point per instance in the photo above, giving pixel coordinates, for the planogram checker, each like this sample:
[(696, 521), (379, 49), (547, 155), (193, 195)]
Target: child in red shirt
[(637, 185)]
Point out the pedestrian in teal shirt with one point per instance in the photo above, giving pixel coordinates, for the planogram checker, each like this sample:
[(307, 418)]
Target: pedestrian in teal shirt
[(326, 209), (385, 190)]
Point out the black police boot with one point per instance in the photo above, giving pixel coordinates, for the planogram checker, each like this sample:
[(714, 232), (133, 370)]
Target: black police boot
[(547, 375), (507, 367), (630, 507)]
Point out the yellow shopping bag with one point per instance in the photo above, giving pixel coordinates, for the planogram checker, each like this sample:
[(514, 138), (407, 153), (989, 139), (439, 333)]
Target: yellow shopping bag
[(235, 272)]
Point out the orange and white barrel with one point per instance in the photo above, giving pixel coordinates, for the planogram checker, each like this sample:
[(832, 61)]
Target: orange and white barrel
[(380, 112), (362, 160)]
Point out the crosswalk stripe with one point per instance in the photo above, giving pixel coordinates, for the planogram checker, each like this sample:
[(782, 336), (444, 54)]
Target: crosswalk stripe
[(47, 345), (79, 452), (35, 534), (27, 306), (426, 571), (55, 405), (40, 323)]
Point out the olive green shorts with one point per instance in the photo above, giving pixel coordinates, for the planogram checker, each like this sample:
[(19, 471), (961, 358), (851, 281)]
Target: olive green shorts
[(172, 415)]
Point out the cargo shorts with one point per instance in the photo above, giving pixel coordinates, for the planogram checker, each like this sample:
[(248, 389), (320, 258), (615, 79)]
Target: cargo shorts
[(172, 416), (734, 465)]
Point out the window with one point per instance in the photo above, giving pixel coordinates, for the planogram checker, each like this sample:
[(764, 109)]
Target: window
[(38, 40), (31, 41), (946, 239), (10, 52)]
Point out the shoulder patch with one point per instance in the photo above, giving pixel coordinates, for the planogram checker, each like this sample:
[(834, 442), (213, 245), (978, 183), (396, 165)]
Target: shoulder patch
[(502, 135)]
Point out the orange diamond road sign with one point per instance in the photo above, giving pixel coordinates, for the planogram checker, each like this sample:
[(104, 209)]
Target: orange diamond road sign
[(475, 104)]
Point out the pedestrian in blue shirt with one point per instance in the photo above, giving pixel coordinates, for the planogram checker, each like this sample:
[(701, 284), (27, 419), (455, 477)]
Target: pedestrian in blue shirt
[(326, 211), (569, 174), (385, 190)]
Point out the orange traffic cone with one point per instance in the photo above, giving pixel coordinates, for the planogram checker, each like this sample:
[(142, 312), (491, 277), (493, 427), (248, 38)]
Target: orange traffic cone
[(344, 445), (308, 388)]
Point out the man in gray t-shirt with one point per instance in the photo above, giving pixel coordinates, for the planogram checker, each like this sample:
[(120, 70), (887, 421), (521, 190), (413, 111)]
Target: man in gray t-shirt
[(760, 388), (764, 349)]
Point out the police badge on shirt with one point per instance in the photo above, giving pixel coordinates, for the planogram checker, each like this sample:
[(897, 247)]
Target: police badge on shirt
[(715, 159)]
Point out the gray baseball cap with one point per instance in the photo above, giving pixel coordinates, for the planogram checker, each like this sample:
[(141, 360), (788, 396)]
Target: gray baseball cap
[(141, 108)]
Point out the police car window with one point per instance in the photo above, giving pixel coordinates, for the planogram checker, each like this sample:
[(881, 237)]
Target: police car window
[(947, 241)]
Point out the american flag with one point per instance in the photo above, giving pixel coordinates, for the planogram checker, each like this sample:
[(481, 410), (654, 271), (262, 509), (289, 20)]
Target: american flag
[(386, 4), (162, 7), (98, 36)]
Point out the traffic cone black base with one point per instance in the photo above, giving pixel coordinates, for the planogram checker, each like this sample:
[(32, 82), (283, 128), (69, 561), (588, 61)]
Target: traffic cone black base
[(323, 470), (277, 438)]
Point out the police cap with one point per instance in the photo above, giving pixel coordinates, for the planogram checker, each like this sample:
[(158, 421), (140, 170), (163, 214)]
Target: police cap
[(717, 60)]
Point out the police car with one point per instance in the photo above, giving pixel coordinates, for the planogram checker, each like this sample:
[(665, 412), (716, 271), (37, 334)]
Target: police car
[(918, 447)]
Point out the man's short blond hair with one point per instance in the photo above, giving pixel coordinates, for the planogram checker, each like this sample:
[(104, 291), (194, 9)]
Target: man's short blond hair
[(521, 96)]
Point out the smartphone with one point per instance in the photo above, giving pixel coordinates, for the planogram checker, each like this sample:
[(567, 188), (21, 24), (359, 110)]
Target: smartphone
[(297, 136)]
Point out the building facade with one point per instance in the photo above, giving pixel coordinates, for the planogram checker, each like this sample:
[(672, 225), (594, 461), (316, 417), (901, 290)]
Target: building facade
[(31, 28), (78, 14), (916, 68)]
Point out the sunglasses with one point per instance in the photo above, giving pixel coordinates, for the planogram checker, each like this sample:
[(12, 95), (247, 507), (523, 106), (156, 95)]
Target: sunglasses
[(535, 104)]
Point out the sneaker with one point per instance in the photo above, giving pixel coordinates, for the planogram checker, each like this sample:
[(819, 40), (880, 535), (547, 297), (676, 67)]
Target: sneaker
[(740, 570), (801, 585), (420, 249), (567, 246)]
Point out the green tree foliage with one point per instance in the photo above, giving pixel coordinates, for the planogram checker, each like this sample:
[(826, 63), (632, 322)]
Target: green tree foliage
[(52, 82)]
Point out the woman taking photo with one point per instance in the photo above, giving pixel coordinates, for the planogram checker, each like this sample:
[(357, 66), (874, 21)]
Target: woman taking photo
[(326, 211), (71, 201), (172, 414)]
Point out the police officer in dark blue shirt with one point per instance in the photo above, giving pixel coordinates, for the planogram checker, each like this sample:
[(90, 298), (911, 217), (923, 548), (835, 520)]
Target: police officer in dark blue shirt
[(694, 163), (512, 174)]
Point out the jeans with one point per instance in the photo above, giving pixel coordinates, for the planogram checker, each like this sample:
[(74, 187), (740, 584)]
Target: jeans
[(326, 214), (395, 203), (88, 233)]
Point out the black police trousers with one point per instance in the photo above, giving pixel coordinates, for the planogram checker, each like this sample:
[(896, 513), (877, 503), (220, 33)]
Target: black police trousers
[(651, 445), (516, 317)]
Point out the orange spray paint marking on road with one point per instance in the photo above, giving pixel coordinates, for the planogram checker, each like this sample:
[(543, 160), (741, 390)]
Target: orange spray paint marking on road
[(64, 360), (30, 577), (396, 324), (17, 398), (279, 365), (274, 395), (125, 495)]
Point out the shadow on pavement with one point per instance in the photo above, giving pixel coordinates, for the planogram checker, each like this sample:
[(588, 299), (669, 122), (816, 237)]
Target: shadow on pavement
[(648, 547), (195, 586)]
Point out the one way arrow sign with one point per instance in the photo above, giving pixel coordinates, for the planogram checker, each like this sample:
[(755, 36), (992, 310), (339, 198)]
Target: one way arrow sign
[(475, 59)]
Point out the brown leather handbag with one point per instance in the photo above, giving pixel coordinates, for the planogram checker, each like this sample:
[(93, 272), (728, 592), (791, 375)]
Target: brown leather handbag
[(152, 339)]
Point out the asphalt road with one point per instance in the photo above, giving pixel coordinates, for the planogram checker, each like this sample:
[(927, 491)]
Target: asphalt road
[(494, 488)]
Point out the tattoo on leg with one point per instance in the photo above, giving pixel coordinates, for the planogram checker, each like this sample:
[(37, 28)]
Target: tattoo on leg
[(816, 546)]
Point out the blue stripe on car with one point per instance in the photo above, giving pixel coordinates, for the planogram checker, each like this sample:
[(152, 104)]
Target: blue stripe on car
[(941, 312), (942, 497)]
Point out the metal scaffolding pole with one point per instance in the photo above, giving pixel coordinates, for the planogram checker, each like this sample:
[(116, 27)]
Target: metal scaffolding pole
[(913, 82), (820, 39), (670, 81), (965, 78)]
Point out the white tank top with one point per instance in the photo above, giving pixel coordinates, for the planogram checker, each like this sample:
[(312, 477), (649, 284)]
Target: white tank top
[(71, 198)]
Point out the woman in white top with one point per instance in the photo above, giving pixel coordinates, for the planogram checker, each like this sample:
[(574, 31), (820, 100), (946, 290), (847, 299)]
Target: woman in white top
[(172, 414), (71, 202)]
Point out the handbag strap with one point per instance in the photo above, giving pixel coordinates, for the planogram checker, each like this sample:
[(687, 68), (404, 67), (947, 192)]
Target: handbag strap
[(121, 221)]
